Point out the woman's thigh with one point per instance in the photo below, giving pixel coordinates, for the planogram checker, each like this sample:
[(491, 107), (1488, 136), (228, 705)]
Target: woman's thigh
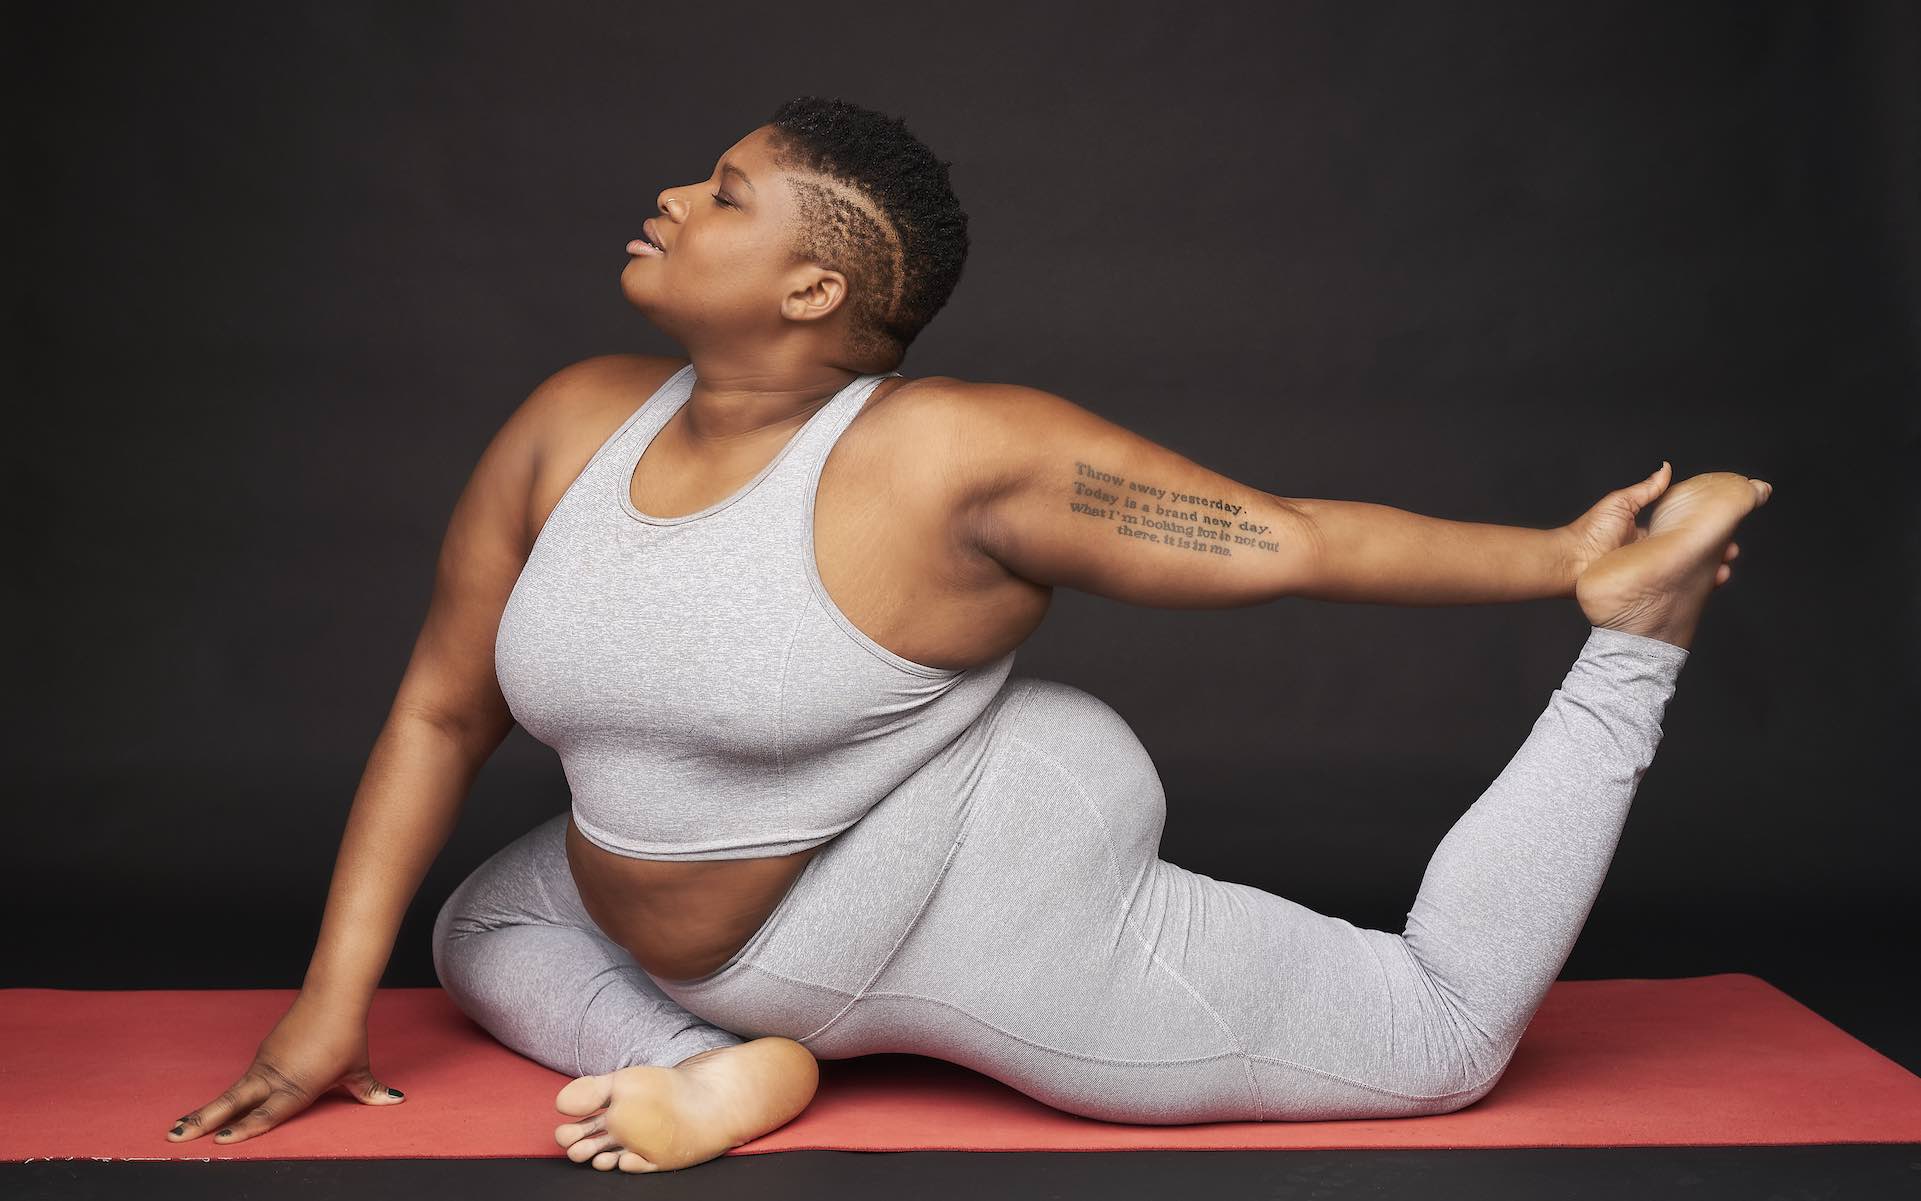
[(1062, 953), (1035, 963), (1015, 918), (516, 951)]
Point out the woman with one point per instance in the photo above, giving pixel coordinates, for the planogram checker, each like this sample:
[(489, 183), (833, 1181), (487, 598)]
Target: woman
[(764, 601)]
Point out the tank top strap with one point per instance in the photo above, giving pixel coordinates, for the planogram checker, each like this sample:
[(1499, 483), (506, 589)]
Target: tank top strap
[(834, 419), (795, 495), (784, 491)]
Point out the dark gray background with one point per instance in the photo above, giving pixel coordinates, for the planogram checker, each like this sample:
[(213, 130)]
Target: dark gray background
[(280, 272)]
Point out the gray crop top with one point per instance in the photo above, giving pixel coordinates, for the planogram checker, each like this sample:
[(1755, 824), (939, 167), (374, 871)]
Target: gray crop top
[(706, 697)]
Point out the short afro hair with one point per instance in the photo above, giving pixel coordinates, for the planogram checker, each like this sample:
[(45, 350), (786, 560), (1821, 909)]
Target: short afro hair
[(900, 269)]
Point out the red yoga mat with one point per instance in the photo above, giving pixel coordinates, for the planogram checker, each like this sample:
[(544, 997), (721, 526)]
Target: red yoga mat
[(1701, 1061)]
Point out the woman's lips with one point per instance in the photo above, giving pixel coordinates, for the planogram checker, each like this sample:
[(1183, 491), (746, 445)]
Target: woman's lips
[(643, 248)]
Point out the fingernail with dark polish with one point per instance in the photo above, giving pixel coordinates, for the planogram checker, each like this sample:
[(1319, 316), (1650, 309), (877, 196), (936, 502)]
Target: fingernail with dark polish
[(177, 1129), (224, 1133), (394, 1092)]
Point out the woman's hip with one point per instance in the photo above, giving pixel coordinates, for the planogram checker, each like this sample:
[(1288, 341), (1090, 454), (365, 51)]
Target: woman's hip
[(993, 857)]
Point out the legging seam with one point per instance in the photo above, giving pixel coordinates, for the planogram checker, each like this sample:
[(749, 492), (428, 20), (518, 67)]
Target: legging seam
[(780, 710), (586, 1009), (1107, 844), (1052, 1050), (960, 837), (1372, 1088), (838, 993)]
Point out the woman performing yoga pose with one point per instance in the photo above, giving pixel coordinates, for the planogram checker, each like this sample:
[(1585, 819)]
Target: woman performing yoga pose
[(764, 602)]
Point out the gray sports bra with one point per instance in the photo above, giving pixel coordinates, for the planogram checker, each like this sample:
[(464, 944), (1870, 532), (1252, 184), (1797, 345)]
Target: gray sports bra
[(707, 698)]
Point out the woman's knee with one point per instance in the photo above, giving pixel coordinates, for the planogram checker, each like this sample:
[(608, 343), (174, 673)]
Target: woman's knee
[(443, 921), (1457, 1078), (451, 924), (1461, 1100), (509, 887)]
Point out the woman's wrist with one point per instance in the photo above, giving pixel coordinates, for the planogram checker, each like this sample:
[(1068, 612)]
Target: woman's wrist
[(344, 1000)]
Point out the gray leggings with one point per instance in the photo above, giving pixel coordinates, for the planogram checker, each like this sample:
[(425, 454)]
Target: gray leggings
[(1006, 909)]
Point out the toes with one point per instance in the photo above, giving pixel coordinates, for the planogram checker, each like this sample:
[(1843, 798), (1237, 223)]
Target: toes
[(585, 1095), (631, 1161), (587, 1148), (572, 1132), (606, 1161), (1734, 548), (1722, 575)]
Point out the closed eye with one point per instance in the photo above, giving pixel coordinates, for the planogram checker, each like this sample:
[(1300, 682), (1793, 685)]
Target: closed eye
[(719, 199)]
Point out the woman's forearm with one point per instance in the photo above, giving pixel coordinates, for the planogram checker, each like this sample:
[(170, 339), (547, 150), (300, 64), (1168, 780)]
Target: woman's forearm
[(408, 802), (1377, 554)]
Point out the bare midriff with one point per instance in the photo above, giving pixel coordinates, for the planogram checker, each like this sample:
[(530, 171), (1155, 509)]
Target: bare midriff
[(679, 919)]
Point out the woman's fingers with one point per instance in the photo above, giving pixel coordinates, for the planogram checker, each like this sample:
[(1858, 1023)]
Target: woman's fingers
[(256, 1102), (1642, 493), (243, 1094), (368, 1090), (279, 1102)]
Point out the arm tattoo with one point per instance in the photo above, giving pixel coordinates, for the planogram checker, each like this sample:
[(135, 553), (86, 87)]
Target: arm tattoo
[(1182, 520)]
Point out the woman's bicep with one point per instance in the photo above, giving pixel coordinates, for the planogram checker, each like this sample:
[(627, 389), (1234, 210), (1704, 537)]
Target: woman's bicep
[(449, 677), (1061, 496)]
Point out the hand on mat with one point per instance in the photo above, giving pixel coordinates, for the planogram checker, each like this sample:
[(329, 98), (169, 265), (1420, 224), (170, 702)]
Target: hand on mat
[(312, 1049), (1610, 525)]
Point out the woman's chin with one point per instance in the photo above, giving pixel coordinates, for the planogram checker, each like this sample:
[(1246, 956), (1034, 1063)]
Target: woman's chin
[(638, 294)]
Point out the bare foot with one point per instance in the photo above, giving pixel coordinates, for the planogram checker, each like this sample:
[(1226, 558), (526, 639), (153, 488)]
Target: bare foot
[(659, 1119), (1658, 585)]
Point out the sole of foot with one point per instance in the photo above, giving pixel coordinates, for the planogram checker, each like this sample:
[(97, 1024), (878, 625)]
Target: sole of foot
[(1657, 586), (654, 1119)]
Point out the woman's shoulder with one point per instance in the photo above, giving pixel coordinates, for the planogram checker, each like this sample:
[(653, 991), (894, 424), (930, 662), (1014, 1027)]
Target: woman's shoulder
[(614, 377), (963, 415), (934, 393), (596, 394), (578, 408)]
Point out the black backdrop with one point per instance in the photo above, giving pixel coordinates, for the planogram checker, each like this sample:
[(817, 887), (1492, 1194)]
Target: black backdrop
[(280, 272)]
